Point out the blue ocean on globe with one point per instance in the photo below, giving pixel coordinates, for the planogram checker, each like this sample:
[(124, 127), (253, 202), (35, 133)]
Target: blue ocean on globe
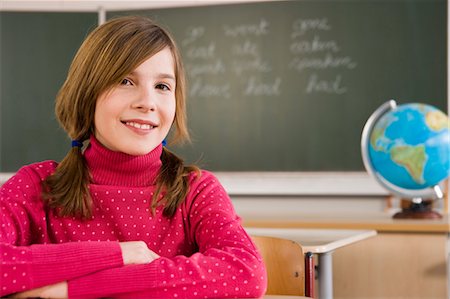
[(410, 146)]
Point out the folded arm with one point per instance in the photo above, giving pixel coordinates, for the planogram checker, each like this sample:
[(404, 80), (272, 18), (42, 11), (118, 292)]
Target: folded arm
[(227, 263), (24, 266)]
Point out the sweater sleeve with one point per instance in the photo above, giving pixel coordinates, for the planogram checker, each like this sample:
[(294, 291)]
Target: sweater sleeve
[(227, 263), (25, 265)]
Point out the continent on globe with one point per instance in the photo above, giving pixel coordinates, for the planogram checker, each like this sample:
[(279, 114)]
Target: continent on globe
[(378, 141), (413, 158), (436, 120)]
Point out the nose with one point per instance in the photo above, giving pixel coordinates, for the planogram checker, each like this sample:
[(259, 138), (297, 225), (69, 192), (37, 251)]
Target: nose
[(145, 101)]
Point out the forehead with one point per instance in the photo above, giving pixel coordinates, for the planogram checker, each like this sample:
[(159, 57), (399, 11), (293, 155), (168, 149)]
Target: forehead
[(162, 63)]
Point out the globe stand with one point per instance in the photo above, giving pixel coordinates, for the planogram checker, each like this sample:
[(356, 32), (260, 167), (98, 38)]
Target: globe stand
[(418, 209)]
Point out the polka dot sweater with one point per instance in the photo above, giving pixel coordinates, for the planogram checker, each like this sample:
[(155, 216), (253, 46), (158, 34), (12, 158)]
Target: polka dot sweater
[(204, 251)]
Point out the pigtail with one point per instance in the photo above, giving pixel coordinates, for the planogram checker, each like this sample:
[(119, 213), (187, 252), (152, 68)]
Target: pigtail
[(66, 190), (173, 180)]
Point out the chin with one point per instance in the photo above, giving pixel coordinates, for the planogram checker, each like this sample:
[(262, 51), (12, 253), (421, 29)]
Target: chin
[(138, 150)]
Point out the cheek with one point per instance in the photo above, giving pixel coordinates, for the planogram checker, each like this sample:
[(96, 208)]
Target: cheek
[(97, 123), (100, 119), (96, 119), (170, 112), (172, 115)]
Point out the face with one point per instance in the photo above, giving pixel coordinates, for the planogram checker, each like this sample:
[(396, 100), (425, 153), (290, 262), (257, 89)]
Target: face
[(135, 116)]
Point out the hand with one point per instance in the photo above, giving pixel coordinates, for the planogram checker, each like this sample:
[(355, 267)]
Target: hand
[(137, 252), (54, 291)]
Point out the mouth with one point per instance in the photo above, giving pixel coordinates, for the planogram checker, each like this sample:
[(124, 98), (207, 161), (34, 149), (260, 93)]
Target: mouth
[(140, 125)]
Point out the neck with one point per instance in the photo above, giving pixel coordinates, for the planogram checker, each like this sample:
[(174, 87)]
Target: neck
[(119, 169)]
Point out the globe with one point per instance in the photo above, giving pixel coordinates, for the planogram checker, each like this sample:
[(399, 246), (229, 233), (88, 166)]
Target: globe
[(407, 149)]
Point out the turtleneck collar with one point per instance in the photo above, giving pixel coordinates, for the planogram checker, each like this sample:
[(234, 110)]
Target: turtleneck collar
[(119, 169)]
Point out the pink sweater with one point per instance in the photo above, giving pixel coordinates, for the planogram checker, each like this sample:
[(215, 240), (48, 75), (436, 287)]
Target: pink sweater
[(204, 250)]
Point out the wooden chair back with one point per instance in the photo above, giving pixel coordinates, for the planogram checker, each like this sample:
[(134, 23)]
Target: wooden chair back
[(285, 265)]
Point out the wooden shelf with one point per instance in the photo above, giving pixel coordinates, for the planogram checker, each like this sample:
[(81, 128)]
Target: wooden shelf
[(381, 222)]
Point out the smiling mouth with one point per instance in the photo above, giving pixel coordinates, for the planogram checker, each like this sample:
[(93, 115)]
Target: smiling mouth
[(138, 125)]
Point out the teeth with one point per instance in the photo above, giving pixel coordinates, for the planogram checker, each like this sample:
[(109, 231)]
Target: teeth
[(139, 126)]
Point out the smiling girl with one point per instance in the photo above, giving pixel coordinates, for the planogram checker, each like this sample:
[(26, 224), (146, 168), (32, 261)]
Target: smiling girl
[(121, 216)]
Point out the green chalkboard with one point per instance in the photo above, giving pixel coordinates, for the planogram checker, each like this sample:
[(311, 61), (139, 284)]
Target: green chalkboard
[(36, 50), (288, 86), (273, 86)]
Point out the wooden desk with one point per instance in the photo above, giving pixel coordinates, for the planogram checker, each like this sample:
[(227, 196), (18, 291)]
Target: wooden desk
[(321, 242), (406, 259)]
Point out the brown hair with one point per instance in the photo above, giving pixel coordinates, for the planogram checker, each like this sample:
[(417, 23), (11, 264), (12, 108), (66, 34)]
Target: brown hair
[(108, 54)]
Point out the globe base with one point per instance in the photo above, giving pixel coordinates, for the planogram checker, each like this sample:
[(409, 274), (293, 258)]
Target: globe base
[(420, 210)]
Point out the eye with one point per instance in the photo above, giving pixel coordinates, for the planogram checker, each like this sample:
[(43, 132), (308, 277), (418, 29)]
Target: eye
[(162, 86), (126, 82)]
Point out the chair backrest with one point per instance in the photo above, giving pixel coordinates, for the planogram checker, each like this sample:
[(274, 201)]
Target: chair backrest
[(285, 265)]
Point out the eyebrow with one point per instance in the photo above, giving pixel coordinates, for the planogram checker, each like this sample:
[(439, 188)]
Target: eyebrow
[(159, 75), (166, 76)]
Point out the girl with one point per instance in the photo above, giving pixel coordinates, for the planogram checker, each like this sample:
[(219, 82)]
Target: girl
[(121, 216)]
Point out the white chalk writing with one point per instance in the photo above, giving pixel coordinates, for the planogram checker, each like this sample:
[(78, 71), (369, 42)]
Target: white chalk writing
[(204, 52), (246, 48), (208, 90), (314, 45), (311, 51), (253, 65), (329, 61), (261, 28), (193, 34), (333, 86), (209, 68), (258, 88), (301, 26)]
